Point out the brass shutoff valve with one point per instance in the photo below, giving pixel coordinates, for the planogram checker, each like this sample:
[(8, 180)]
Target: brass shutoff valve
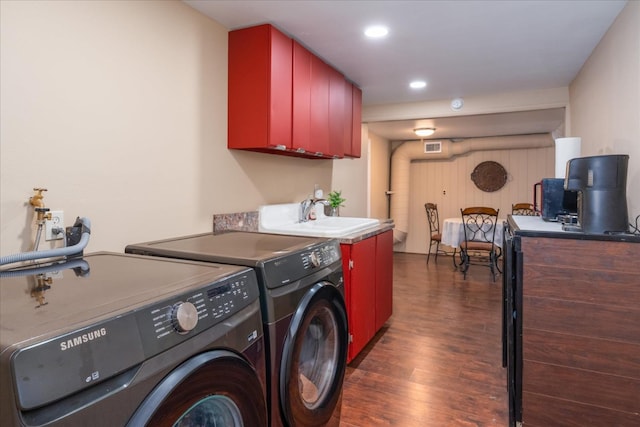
[(37, 201)]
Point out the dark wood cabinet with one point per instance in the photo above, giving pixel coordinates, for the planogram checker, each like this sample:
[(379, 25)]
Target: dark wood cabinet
[(368, 277), (283, 99), (577, 311)]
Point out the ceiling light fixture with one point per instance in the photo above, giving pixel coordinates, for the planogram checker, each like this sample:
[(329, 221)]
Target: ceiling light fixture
[(376, 31), (418, 84), (422, 132)]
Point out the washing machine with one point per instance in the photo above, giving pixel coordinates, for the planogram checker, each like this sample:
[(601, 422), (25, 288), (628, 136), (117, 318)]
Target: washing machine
[(303, 309), (122, 340)]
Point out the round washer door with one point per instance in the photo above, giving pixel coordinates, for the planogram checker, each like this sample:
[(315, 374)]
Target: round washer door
[(216, 388), (314, 358)]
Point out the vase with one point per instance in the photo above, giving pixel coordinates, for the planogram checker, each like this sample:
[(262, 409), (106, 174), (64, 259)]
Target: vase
[(334, 211)]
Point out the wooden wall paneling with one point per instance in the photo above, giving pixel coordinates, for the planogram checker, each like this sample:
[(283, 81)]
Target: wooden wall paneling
[(429, 177)]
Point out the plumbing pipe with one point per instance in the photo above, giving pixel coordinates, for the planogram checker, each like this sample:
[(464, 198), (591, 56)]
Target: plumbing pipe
[(80, 264), (414, 150), (36, 242), (52, 253)]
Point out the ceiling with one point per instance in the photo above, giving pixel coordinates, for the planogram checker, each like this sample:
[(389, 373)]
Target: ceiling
[(460, 48)]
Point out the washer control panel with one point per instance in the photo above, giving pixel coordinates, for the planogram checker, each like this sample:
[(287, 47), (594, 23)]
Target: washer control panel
[(101, 350), (163, 326)]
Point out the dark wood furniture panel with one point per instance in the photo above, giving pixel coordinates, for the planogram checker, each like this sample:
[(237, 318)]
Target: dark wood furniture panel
[(589, 255), (545, 412), (615, 357), (578, 385), (580, 335)]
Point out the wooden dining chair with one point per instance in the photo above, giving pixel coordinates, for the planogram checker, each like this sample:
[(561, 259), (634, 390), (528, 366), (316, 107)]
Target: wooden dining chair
[(479, 246), (435, 237), (523, 209)]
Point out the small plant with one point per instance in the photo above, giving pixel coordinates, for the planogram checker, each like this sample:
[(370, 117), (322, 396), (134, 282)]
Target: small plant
[(336, 200)]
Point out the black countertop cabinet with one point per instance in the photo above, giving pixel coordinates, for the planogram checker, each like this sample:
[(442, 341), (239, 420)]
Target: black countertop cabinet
[(571, 325)]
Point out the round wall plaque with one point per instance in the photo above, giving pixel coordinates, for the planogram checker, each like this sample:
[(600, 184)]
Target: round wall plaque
[(489, 176)]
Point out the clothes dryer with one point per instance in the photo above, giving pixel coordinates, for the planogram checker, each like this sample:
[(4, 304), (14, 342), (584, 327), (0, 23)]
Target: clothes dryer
[(123, 340), (304, 314)]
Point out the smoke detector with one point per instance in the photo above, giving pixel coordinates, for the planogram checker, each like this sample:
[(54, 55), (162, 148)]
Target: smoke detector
[(456, 104)]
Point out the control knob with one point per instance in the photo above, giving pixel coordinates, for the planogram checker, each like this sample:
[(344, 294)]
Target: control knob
[(315, 259), (184, 317)]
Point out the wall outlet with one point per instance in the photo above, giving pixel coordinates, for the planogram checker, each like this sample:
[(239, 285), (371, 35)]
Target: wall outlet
[(54, 227)]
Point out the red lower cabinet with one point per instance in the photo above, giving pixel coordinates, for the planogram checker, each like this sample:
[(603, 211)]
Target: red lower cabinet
[(384, 278), (368, 277)]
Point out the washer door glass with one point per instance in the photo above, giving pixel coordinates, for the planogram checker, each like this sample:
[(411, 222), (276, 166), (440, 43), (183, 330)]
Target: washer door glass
[(212, 389), (212, 411), (314, 358)]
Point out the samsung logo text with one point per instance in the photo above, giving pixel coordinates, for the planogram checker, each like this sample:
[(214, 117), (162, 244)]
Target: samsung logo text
[(82, 339)]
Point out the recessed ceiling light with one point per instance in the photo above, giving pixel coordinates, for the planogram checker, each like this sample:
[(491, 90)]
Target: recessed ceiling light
[(418, 84), (376, 31)]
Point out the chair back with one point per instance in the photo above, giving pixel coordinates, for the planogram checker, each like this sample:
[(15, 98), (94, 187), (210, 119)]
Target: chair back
[(523, 209), (479, 224), (432, 217)]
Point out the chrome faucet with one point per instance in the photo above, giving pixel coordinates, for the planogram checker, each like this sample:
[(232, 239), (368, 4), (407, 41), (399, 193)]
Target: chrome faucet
[(306, 205), (305, 209)]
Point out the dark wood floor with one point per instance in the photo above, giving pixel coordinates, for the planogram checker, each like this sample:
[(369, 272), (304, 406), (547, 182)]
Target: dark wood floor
[(438, 360)]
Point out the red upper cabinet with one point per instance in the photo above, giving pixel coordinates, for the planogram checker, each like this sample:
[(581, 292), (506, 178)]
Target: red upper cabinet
[(320, 106), (317, 112), (260, 88), (301, 98), (283, 99), (337, 117), (352, 148)]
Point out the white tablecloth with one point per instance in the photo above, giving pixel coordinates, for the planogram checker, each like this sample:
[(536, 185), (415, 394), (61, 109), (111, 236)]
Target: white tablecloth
[(453, 232)]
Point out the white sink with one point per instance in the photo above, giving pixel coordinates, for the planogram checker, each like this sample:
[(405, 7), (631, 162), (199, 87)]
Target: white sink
[(283, 219)]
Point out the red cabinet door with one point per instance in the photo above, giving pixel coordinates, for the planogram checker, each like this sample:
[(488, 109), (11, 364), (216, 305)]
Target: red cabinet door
[(336, 113), (356, 120), (360, 293), (348, 119), (260, 88), (320, 106), (302, 138), (384, 278)]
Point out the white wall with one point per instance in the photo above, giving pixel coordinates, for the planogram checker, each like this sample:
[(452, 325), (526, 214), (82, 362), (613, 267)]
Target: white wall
[(380, 170), (350, 177), (605, 99), (119, 108)]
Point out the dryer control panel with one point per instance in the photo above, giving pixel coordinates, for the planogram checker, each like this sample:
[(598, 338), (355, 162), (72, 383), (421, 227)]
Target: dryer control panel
[(294, 266)]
